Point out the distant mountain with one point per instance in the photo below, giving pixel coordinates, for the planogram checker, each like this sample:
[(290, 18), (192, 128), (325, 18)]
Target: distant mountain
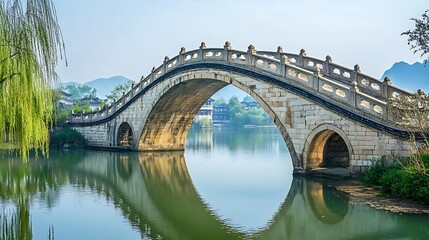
[(103, 85), (409, 76)]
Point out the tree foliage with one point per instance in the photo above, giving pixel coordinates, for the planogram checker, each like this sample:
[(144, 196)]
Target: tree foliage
[(80, 107), (120, 90), (30, 43), (418, 38), (79, 92), (240, 115), (412, 113)]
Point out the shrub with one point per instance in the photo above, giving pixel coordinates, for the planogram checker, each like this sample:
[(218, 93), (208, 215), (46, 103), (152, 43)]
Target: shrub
[(375, 172), (400, 180), (67, 136)]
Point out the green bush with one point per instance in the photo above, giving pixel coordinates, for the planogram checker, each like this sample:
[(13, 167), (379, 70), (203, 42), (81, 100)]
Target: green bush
[(375, 172), (67, 136), (400, 180)]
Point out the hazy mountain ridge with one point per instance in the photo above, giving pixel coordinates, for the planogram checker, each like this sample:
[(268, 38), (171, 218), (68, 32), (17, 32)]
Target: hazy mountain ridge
[(410, 77), (103, 85)]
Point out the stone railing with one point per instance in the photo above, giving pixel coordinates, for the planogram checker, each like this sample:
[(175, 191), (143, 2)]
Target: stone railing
[(349, 87)]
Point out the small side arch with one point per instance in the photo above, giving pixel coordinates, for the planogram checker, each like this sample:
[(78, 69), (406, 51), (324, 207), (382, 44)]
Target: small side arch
[(124, 135), (327, 146)]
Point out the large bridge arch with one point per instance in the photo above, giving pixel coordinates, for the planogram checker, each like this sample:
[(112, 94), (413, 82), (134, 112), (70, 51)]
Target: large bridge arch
[(167, 125)]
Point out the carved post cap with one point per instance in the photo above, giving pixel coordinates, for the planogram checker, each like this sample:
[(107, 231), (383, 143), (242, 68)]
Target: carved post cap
[(227, 45), (285, 59), (387, 81), (182, 50), (142, 78), (328, 59), (251, 49), (357, 68), (166, 58), (302, 52), (153, 69), (203, 45), (123, 93), (279, 49)]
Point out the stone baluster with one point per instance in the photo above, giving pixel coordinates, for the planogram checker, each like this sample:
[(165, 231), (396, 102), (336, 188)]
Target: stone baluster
[(251, 51), (114, 107), (327, 66), (386, 87), (316, 79), (182, 55), (152, 74), (164, 64), (201, 51), (141, 82), (356, 70), (283, 61), (279, 53), (300, 60), (226, 49), (352, 96), (132, 90)]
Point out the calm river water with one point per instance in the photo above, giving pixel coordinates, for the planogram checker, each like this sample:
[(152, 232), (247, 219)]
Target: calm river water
[(228, 184)]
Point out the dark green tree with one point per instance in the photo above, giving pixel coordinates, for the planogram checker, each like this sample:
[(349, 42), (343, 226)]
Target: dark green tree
[(81, 107), (219, 101), (79, 92), (119, 90)]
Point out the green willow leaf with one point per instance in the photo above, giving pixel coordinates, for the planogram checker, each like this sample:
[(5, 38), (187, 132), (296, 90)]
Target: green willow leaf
[(30, 45)]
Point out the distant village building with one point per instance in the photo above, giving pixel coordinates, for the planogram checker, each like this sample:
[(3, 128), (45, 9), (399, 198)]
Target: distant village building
[(66, 102), (94, 102), (250, 105), (206, 111), (221, 114)]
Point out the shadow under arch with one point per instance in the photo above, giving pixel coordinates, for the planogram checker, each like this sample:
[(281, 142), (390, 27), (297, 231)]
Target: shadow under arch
[(124, 135), (327, 146), (170, 119)]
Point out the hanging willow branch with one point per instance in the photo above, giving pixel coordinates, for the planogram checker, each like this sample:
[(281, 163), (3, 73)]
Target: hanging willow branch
[(30, 44)]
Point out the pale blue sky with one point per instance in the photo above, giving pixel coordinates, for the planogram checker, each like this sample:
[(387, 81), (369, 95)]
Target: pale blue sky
[(105, 38)]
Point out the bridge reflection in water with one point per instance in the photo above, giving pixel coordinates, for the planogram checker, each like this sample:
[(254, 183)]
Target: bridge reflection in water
[(154, 191)]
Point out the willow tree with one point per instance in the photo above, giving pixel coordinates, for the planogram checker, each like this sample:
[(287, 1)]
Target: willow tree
[(30, 45)]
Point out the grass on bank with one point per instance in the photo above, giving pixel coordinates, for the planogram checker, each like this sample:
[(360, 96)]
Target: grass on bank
[(401, 179)]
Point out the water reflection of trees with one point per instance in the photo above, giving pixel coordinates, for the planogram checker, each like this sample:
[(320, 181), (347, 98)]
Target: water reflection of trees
[(155, 193), (19, 183), (234, 138)]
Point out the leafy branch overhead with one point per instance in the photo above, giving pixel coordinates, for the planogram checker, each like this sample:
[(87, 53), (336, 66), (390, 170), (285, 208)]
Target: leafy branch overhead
[(418, 38)]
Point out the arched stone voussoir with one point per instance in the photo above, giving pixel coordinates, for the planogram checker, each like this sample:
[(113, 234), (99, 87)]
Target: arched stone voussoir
[(316, 141)]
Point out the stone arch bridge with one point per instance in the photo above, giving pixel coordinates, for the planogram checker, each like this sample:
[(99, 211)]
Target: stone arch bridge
[(328, 115)]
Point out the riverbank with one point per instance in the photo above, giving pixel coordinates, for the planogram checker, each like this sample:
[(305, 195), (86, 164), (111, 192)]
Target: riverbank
[(356, 190)]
